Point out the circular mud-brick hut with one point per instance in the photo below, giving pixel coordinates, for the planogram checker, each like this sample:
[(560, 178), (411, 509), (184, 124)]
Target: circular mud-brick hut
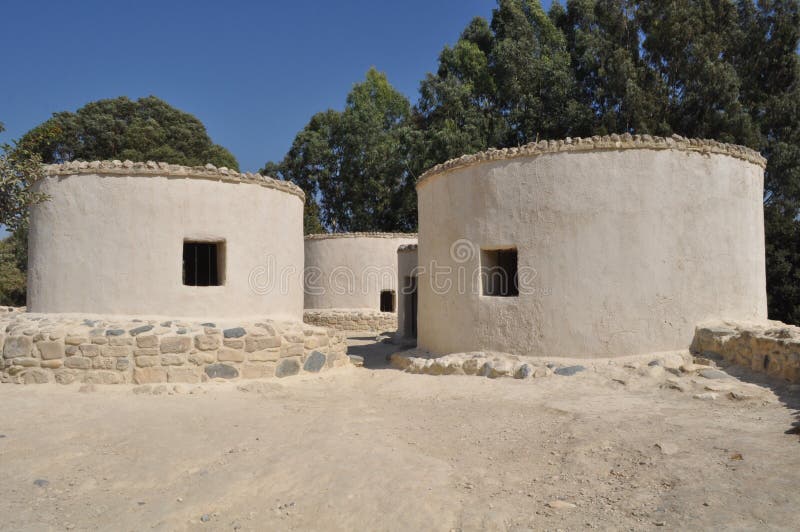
[(156, 273), (596, 247), (351, 280), (161, 239)]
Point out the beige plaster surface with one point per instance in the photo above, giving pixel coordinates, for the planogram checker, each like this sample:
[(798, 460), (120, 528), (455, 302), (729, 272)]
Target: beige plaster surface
[(111, 243), (348, 271), (624, 251)]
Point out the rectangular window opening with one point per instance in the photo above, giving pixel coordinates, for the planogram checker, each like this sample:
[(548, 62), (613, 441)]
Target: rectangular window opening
[(499, 272), (387, 300), (203, 263)]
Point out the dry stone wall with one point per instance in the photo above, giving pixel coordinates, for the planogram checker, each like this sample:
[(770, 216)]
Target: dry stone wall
[(771, 347), (41, 348), (352, 320)]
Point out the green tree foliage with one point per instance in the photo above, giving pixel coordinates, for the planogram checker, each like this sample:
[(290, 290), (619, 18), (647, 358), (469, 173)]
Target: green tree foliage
[(721, 69), (19, 170), (457, 108), (13, 265), (353, 164), (147, 129), (604, 40), (311, 221), (536, 85)]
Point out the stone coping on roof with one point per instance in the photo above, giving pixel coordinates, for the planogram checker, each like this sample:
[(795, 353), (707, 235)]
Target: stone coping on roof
[(160, 169), (407, 247), (598, 143), (326, 236)]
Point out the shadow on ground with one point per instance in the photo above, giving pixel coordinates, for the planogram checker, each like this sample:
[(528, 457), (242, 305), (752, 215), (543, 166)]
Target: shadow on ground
[(372, 348), (788, 394)]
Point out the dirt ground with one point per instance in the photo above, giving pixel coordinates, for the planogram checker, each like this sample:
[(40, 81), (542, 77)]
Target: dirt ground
[(376, 449)]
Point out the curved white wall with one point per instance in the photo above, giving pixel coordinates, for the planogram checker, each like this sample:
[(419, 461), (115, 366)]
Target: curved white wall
[(625, 249), (113, 244), (349, 270)]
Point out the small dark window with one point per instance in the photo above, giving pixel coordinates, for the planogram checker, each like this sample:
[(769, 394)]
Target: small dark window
[(387, 300), (203, 263), (499, 272)]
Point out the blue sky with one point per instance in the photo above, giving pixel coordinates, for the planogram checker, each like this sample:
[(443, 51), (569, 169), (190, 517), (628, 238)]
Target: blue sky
[(253, 72)]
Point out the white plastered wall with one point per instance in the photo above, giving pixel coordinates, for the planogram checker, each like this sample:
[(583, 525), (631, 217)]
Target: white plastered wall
[(349, 271), (113, 244), (626, 251)]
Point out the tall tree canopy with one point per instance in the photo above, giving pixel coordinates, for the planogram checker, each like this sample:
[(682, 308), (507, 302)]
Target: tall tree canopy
[(147, 129), (353, 164), (720, 69), (19, 169)]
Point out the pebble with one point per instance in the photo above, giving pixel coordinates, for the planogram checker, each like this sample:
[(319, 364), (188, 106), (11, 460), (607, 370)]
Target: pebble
[(714, 374), (568, 371), (706, 396), (42, 483), (205, 518), (667, 448), (560, 505), (740, 395)]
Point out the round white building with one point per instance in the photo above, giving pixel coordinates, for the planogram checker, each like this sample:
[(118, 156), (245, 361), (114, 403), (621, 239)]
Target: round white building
[(158, 239), (587, 248), (351, 279)]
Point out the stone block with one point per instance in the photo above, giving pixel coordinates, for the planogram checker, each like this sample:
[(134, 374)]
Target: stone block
[(230, 355), (172, 359), (290, 350), (120, 340), (235, 332), (65, 376), (17, 346), (116, 351), (315, 362), (78, 362), (140, 330), (258, 371), (221, 371), (102, 377), (148, 340), (206, 342), (76, 340), (176, 344), (233, 343), (35, 376), (50, 350), (148, 361), (27, 362), (146, 352), (52, 364), (288, 367), (99, 340), (176, 374), (264, 355), (90, 350), (103, 363), (115, 332), (202, 358), (257, 343), (123, 364), (149, 375)]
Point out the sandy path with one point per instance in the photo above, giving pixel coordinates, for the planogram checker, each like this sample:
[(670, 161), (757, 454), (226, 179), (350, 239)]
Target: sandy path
[(377, 449)]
